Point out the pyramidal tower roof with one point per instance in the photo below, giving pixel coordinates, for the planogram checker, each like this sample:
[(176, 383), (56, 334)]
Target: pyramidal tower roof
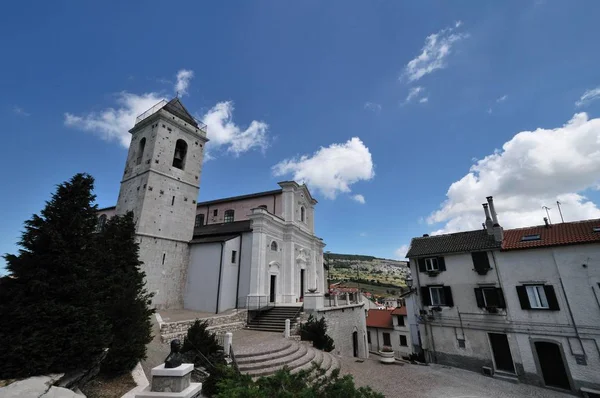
[(174, 107)]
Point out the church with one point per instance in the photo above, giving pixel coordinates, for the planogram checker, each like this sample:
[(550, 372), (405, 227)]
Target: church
[(246, 251)]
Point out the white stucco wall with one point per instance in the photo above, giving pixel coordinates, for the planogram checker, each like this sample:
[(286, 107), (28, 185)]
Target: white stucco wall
[(203, 277)]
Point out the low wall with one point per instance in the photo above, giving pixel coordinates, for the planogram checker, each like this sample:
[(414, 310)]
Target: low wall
[(216, 324)]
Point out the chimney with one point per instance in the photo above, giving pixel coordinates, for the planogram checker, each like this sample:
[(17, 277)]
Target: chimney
[(546, 222), (488, 220), (490, 200), (497, 229)]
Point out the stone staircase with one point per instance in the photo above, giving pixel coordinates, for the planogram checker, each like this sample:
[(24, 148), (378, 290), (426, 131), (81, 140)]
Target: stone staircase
[(292, 354), (273, 320)]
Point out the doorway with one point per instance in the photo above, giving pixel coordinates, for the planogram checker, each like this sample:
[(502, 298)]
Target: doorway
[(355, 343), (272, 288), (501, 351), (301, 283), (552, 365)]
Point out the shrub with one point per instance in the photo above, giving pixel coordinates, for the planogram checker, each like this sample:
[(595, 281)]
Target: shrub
[(201, 340), (316, 331), (386, 348)]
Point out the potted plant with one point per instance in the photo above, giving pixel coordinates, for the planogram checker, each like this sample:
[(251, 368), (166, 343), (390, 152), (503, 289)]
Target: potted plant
[(386, 355)]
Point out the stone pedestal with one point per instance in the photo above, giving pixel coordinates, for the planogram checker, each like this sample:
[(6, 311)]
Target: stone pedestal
[(313, 301), (175, 382)]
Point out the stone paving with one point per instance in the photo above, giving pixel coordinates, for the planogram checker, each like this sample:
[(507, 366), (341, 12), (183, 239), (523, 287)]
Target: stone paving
[(416, 381)]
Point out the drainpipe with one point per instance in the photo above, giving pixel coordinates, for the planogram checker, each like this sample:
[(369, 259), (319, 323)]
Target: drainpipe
[(207, 213), (508, 318), (220, 274), (237, 289), (274, 201), (562, 286)]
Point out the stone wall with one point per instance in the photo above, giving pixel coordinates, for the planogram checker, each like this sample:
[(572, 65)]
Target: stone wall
[(342, 321), (216, 324)]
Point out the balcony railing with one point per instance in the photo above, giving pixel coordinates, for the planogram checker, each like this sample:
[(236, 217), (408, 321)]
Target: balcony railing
[(151, 111)]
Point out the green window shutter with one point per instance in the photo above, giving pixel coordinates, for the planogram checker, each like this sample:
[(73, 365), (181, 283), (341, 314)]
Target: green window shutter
[(448, 296), (421, 262), (425, 297)]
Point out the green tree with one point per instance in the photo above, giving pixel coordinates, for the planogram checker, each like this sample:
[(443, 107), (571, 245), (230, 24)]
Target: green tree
[(126, 301), (316, 331), (50, 302)]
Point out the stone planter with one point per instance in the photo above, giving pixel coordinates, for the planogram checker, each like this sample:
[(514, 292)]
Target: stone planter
[(386, 357)]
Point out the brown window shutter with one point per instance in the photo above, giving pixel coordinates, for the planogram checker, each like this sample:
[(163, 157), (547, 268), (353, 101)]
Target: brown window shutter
[(441, 264), (425, 297), (551, 297), (501, 302), (523, 299), (448, 296), (479, 297)]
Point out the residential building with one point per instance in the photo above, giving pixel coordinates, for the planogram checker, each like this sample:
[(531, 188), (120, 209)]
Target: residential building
[(389, 327), (520, 303)]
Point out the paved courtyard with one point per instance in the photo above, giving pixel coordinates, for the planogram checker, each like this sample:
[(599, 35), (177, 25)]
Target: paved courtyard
[(416, 381)]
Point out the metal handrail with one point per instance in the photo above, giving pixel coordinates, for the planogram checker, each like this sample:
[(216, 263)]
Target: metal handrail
[(151, 111)]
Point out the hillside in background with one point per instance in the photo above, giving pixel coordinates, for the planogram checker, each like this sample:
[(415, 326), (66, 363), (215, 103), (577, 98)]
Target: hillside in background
[(380, 276)]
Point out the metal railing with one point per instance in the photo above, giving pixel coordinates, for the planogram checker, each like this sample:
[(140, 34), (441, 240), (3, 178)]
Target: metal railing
[(256, 305), (151, 111)]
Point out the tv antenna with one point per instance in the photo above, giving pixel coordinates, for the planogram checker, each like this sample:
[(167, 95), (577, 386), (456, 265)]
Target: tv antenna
[(560, 211), (547, 213)]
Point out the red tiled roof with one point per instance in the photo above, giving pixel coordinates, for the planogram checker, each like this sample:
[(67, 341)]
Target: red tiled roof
[(399, 311), (380, 319), (568, 233)]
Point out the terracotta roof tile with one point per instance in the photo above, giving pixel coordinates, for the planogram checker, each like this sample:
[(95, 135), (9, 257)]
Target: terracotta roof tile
[(380, 319), (399, 311), (569, 233)]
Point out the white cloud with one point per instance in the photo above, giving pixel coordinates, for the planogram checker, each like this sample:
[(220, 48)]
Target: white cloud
[(533, 169), (224, 133), (363, 234), (413, 93), (372, 106), (588, 96), (331, 169), (423, 100), (502, 99), (434, 53), (114, 124), (400, 253), (183, 81), (359, 198), (17, 110)]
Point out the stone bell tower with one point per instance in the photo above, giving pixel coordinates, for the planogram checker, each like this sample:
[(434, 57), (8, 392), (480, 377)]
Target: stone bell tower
[(160, 185)]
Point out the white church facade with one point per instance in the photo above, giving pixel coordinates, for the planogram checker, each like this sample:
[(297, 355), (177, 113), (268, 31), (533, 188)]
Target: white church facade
[(241, 252)]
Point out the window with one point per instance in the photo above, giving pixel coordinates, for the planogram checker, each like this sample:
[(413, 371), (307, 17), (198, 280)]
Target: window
[(228, 216), (233, 256), (302, 211), (489, 297), (386, 339), (432, 264), (528, 238), (199, 220), (481, 262), (173, 201), (596, 229), (274, 246), (140, 154), (461, 343), (180, 154), (537, 297), (403, 341), (215, 212), (101, 223), (400, 320), (369, 337), (437, 296)]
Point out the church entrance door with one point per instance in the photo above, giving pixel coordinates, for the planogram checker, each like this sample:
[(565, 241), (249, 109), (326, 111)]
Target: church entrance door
[(272, 288), (301, 283)]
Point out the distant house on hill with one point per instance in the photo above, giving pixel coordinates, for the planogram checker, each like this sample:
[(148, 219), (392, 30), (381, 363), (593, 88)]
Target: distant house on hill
[(389, 327)]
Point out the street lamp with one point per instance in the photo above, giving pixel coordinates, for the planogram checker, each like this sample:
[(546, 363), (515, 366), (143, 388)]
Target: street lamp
[(409, 282)]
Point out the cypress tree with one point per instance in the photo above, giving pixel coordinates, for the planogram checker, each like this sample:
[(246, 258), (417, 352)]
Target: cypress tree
[(49, 302), (126, 301)]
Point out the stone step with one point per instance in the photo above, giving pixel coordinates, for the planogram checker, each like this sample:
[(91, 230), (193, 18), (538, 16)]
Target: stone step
[(268, 323), (304, 359), (282, 347), (289, 350), (335, 364), (277, 363), (506, 377), (266, 329), (317, 359)]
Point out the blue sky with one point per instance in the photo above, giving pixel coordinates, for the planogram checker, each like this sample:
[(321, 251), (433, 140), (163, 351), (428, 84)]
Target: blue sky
[(422, 108)]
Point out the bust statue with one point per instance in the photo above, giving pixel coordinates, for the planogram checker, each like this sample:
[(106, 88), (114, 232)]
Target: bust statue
[(175, 358)]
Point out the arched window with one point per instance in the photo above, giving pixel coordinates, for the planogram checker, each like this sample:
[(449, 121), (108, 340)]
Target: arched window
[(140, 153), (199, 220), (302, 213), (274, 246), (180, 153), (229, 215), (101, 223)]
